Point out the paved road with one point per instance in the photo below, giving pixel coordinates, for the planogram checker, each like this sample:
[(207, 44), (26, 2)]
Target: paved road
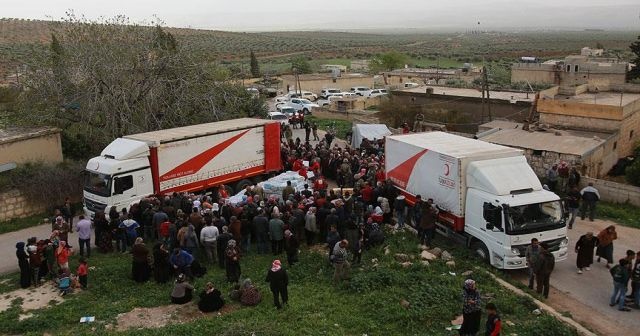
[(592, 289)]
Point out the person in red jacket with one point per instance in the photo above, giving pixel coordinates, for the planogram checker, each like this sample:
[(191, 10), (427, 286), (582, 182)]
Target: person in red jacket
[(494, 324), (367, 193)]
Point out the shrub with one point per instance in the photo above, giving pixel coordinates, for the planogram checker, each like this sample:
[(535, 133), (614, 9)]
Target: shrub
[(49, 184), (632, 173)]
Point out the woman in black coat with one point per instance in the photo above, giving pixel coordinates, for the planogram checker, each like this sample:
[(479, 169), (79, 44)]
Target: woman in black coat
[(210, 299), (161, 266), (23, 263), (584, 250), (278, 280)]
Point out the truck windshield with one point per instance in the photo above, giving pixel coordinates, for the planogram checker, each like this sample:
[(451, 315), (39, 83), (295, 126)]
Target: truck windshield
[(534, 217), (99, 184)]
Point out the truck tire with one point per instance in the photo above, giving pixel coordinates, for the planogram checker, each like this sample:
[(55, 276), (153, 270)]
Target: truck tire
[(242, 184), (481, 251)]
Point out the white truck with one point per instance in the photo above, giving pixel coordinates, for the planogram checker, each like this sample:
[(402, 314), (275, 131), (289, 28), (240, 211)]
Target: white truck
[(489, 197), (234, 152)]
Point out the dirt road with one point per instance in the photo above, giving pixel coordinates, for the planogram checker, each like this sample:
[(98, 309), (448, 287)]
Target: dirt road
[(586, 296)]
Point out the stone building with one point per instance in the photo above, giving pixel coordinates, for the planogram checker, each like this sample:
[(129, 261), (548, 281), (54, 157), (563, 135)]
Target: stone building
[(589, 152), (430, 76), (572, 70), (316, 82), (30, 145), (611, 109)]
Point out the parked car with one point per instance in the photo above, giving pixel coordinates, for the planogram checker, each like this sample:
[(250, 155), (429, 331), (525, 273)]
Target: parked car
[(411, 85), (325, 93), (376, 93), (302, 105), (348, 95), (253, 91), (286, 110), (359, 90), (304, 94), (281, 117), (281, 99)]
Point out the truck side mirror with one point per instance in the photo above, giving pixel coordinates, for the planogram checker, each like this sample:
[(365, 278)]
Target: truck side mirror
[(490, 226)]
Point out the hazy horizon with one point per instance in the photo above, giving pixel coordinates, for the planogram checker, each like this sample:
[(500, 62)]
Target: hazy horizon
[(372, 15)]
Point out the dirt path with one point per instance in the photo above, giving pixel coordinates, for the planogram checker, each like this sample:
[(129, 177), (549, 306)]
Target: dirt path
[(586, 296), (32, 298), (157, 317)]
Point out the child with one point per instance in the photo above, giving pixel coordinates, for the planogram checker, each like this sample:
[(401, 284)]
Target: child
[(82, 272), (64, 281), (493, 321)]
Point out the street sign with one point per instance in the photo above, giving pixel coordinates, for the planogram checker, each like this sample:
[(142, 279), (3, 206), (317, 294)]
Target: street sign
[(7, 166)]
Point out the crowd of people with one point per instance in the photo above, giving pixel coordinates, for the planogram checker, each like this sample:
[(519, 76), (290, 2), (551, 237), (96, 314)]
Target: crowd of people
[(190, 232)]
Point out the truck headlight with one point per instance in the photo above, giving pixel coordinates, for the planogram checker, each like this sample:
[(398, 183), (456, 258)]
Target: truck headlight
[(564, 242), (515, 251)]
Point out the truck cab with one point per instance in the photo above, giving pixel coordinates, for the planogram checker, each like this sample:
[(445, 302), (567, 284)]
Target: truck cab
[(505, 208), (119, 177)]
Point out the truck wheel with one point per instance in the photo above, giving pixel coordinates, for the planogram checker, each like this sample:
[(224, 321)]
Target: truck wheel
[(480, 250), (243, 184)]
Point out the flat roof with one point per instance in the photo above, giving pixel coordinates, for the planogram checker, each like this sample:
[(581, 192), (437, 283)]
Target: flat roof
[(172, 134), (18, 133), (474, 93), (325, 76), (450, 144), (568, 142), (601, 98)]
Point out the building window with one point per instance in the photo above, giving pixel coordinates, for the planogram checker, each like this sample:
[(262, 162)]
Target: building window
[(615, 145), (568, 67), (631, 134), (575, 68), (537, 152)]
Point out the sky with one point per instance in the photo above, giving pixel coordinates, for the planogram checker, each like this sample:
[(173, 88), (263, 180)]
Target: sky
[(265, 15)]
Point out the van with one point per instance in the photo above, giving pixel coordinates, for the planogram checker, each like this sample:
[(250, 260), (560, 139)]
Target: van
[(325, 93)]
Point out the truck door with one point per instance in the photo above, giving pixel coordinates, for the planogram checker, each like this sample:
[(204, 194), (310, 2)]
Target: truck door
[(494, 232), (123, 191)]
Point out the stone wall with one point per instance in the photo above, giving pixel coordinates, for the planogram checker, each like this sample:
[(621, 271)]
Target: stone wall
[(14, 205), (614, 192)]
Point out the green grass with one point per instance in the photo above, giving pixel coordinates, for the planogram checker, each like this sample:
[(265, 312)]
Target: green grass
[(342, 126), (21, 223), (623, 214), (368, 304)]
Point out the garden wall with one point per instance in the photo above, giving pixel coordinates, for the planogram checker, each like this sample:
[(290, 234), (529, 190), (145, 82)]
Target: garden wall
[(614, 192), (14, 205)]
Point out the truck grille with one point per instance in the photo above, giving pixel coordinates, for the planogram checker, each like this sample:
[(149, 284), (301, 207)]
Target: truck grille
[(554, 245), (94, 206)]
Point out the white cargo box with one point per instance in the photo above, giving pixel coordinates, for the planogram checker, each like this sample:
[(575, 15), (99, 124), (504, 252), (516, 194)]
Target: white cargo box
[(434, 165)]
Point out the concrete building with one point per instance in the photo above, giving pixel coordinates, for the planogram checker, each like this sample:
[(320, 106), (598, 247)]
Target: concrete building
[(589, 152), (613, 109), (30, 145), (430, 76), (329, 67), (572, 70), (468, 102), (317, 82), (586, 51), (360, 65)]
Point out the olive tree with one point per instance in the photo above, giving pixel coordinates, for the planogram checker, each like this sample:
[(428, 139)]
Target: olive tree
[(99, 80)]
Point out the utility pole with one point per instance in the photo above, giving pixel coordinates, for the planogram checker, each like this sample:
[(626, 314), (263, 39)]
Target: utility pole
[(485, 88)]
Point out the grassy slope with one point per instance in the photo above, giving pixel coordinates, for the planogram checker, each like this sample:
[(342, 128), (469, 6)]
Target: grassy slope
[(368, 304), (21, 223), (623, 214)]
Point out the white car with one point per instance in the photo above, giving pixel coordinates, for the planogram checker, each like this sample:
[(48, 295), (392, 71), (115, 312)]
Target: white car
[(411, 85), (286, 110), (359, 90), (304, 94), (376, 93), (254, 92), (302, 105), (281, 100), (326, 93), (281, 117)]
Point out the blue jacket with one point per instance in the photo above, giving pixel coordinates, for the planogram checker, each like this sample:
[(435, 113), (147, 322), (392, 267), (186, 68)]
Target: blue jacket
[(182, 259)]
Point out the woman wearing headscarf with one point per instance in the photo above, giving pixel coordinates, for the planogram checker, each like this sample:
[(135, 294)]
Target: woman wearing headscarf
[(161, 266), (189, 241), (140, 266), (232, 254), (471, 309), (278, 280), (605, 244), (310, 227), (291, 247), (210, 299), (182, 291), (584, 250), (250, 296), (23, 263)]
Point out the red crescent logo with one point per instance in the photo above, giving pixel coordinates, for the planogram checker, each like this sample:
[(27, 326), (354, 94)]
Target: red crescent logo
[(446, 169)]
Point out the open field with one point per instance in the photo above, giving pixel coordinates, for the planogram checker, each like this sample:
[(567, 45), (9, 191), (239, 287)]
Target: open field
[(275, 49), (370, 303)]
